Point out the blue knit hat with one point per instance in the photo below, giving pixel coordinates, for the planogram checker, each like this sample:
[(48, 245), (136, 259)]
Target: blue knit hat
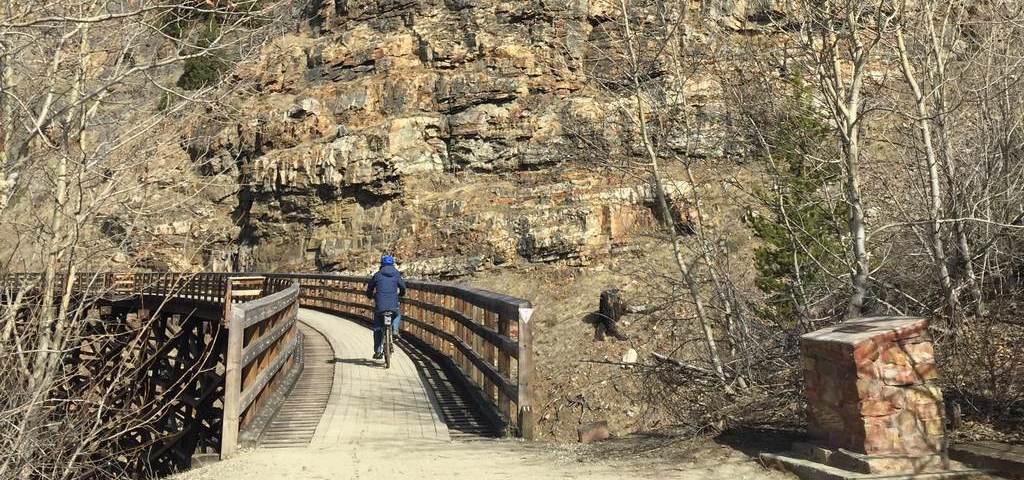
[(387, 260)]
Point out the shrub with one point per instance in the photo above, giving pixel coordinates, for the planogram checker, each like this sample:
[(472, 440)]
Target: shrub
[(801, 230), (202, 71)]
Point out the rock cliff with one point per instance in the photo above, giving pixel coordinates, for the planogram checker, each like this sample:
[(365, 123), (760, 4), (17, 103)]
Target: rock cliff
[(437, 129)]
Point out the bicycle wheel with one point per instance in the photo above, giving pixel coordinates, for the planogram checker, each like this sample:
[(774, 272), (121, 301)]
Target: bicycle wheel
[(387, 347)]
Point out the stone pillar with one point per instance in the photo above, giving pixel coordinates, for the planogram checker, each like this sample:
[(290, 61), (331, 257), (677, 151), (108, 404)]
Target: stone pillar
[(869, 390)]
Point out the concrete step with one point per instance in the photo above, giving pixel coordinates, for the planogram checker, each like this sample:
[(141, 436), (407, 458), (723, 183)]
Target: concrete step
[(812, 470), (1004, 458)]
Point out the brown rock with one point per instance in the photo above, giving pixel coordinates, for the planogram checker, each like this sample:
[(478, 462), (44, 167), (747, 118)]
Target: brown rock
[(593, 432)]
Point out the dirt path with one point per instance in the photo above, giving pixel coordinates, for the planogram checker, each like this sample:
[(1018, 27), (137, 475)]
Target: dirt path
[(429, 460), (384, 424)]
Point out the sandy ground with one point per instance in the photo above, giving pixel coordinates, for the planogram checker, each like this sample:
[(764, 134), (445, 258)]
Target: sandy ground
[(366, 433), (423, 460)]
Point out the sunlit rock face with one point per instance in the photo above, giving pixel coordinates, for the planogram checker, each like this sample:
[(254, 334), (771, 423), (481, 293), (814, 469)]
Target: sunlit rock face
[(444, 131)]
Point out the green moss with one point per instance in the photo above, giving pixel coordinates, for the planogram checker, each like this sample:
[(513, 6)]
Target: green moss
[(199, 29)]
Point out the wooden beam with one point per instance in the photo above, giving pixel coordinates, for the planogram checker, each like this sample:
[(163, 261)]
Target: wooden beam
[(232, 380)]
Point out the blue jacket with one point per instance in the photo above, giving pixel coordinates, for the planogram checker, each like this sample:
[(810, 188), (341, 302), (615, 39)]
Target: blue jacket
[(385, 287)]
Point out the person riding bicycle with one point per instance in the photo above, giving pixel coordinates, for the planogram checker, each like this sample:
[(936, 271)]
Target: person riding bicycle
[(385, 287)]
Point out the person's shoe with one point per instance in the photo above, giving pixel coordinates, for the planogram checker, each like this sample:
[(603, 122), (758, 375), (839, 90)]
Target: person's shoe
[(378, 355)]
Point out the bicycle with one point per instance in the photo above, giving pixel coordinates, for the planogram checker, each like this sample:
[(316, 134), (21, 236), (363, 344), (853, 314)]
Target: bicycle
[(387, 318)]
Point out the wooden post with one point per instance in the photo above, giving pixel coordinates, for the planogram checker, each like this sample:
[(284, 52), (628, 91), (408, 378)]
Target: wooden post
[(490, 320), (232, 381), (460, 308), (526, 367), (477, 344), (505, 367)]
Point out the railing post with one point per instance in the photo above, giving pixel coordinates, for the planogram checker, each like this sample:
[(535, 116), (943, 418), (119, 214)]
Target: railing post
[(232, 380), (526, 367), (505, 404)]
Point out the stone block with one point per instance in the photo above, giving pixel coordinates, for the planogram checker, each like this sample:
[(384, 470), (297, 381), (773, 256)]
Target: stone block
[(899, 468), (920, 352), (895, 355), (898, 375), (884, 464), (868, 390), (865, 352), (880, 436), (926, 410), (993, 456), (879, 408), (917, 394), (868, 370)]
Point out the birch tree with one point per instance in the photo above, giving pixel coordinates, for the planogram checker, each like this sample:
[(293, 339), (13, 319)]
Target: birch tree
[(841, 39)]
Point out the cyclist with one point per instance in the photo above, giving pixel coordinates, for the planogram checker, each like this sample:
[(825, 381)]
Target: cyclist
[(385, 287)]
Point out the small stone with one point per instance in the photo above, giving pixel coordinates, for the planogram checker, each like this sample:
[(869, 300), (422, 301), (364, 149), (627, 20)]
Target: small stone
[(181, 227), (630, 357)]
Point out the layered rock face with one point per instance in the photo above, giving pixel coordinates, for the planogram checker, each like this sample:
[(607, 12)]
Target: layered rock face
[(439, 130)]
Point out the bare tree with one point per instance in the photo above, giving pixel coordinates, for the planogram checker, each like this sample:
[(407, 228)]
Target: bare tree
[(840, 39), (923, 121), (87, 169)]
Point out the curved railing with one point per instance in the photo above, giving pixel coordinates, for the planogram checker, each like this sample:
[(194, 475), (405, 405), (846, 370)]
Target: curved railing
[(264, 345), (263, 357), (486, 335)]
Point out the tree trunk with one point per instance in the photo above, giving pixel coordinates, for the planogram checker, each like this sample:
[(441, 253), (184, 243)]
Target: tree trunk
[(855, 222), (937, 246), (662, 202)]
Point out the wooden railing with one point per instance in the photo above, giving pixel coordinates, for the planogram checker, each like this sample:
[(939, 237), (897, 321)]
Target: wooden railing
[(264, 344), (204, 287), (486, 335), (263, 354)]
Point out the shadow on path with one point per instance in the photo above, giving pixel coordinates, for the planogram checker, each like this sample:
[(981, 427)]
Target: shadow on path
[(359, 362), (459, 409), (753, 440)]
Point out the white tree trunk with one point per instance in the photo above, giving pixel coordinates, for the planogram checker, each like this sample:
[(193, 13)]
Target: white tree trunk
[(923, 113)]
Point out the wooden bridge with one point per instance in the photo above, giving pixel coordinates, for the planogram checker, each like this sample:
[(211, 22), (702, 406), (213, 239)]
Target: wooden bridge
[(282, 360)]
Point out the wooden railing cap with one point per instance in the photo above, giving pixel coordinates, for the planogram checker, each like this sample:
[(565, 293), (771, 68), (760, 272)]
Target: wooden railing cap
[(502, 304)]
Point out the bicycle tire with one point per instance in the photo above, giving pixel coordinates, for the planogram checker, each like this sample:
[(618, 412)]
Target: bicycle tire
[(387, 347)]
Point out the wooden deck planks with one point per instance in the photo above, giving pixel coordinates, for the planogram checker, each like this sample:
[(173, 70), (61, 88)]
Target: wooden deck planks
[(296, 421)]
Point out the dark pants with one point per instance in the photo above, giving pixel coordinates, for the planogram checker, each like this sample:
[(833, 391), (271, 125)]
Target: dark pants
[(378, 330)]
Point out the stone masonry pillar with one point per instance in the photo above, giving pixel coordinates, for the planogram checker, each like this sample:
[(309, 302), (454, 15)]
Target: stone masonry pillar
[(869, 388)]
